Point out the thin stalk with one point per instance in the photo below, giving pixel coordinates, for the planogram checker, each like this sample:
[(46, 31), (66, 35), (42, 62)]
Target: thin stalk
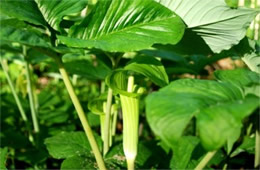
[(107, 120), (17, 100), (205, 160), (257, 148), (81, 115), (114, 121), (30, 93)]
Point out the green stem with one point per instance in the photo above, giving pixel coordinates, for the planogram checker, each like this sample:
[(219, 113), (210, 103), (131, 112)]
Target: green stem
[(81, 115), (205, 160), (257, 148), (107, 121), (114, 121), (17, 100), (30, 93)]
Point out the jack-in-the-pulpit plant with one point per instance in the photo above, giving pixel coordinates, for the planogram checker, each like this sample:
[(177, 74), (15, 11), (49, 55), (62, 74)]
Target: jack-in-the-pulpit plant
[(136, 84)]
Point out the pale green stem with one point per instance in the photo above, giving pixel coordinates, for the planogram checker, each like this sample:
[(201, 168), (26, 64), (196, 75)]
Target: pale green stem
[(17, 100), (107, 120), (130, 109), (81, 115), (30, 92), (102, 121), (102, 127), (114, 122), (257, 148), (205, 160)]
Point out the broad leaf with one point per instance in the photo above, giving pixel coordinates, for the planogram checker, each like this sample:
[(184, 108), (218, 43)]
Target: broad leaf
[(54, 11), (170, 110), (120, 26), (69, 144), (220, 26), (149, 67), (13, 30), (25, 10)]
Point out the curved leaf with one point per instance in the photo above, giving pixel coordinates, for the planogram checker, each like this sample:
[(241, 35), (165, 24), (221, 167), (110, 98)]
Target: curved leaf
[(117, 81), (120, 26), (149, 67), (252, 61), (54, 11), (170, 110), (96, 105), (220, 26)]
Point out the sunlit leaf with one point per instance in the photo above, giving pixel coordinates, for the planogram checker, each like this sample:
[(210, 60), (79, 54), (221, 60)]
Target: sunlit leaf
[(126, 26)]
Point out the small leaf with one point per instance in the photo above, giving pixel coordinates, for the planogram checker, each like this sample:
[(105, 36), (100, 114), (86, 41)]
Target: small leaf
[(149, 67), (79, 162), (69, 144), (252, 61), (122, 26)]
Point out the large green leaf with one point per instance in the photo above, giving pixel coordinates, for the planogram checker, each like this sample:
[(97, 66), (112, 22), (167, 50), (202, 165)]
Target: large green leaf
[(54, 11), (126, 25), (13, 30), (220, 26), (25, 10), (69, 144), (149, 67), (170, 110), (41, 12)]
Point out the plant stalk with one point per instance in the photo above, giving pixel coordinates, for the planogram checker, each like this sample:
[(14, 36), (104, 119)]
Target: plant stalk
[(205, 160), (30, 93), (17, 100), (107, 121), (81, 115), (257, 148)]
